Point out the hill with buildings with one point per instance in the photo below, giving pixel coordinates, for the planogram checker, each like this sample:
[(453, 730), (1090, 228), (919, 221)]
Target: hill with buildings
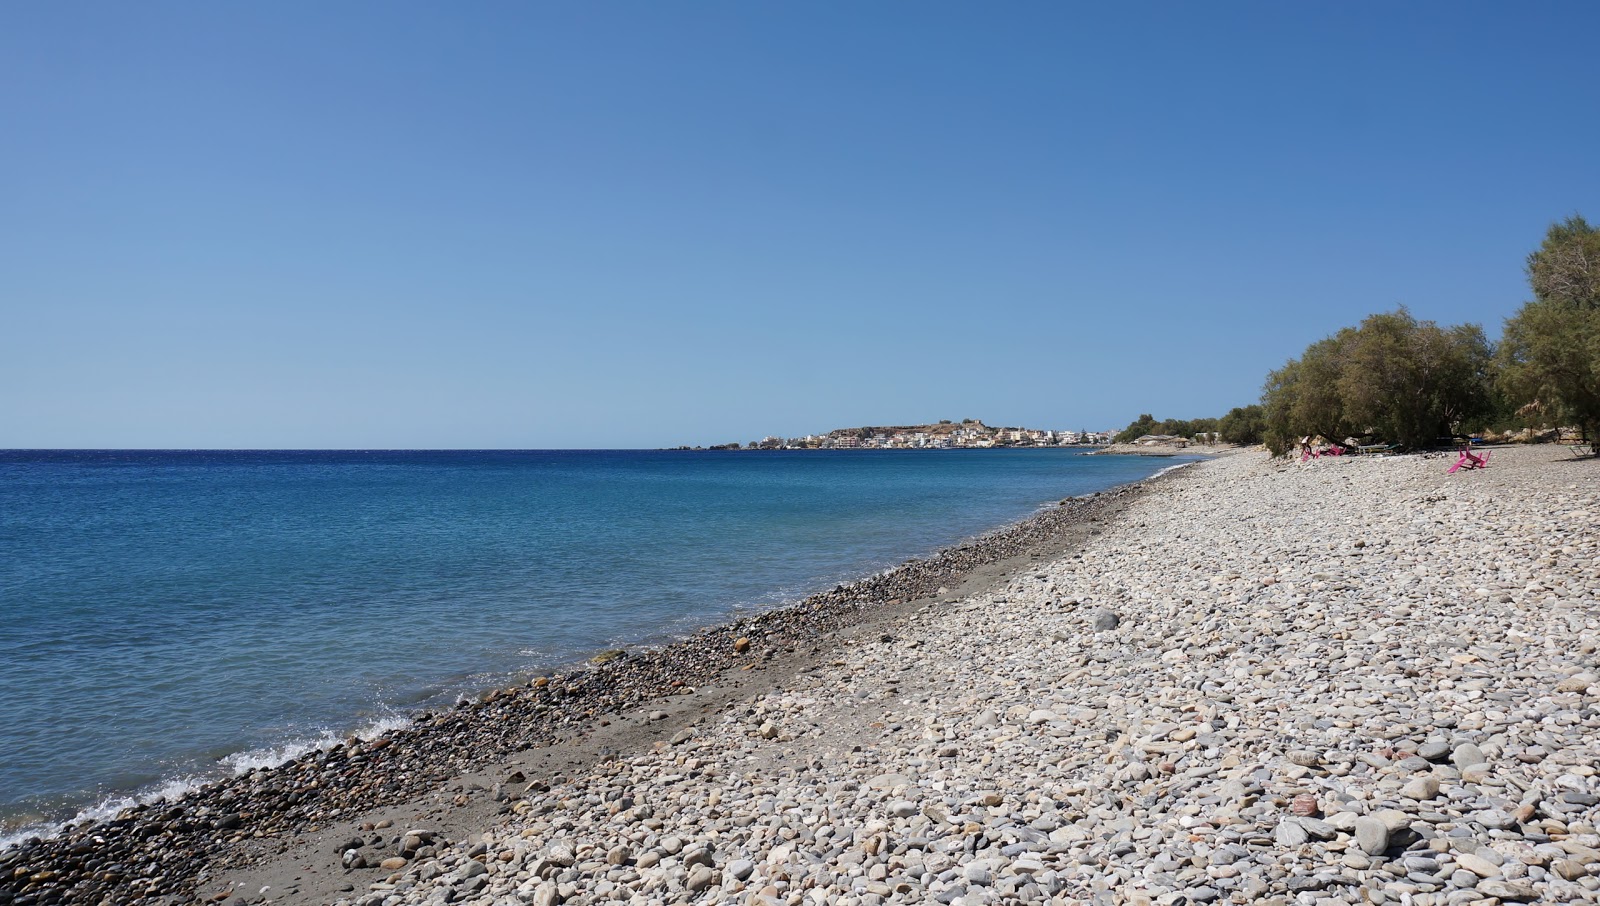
[(944, 435)]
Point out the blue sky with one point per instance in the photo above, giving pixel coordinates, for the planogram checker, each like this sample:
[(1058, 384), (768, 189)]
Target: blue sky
[(645, 224)]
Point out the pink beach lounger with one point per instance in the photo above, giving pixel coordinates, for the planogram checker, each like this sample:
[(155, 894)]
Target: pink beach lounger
[(1469, 460)]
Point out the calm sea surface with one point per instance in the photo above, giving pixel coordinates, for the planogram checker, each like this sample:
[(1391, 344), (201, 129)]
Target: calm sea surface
[(172, 615)]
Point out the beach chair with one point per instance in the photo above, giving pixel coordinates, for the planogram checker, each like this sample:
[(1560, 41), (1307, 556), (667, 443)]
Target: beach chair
[(1471, 460), (1319, 452)]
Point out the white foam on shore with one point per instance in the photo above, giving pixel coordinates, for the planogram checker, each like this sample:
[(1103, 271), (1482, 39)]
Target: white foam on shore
[(169, 791), (178, 787), (272, 756)]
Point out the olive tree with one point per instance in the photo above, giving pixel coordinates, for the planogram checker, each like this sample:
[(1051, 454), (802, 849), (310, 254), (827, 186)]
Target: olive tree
[(1393, 377), (1412, 381), (1243, 425)]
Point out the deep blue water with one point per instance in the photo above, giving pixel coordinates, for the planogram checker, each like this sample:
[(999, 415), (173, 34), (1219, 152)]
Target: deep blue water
[(160, 611)]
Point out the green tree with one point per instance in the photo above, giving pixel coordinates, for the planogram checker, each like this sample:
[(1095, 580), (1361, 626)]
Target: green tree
[(1139, 427), (1549, 357), (1177, 427), (1566, 267), (1412, 381), (1393, 377), (1302, 398), (1243, 425)]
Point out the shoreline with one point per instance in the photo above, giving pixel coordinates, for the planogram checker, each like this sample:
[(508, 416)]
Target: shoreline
[(1348, 681), (252, 817)]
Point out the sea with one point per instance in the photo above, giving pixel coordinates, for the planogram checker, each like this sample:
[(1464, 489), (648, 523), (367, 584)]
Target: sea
[(168, 617)]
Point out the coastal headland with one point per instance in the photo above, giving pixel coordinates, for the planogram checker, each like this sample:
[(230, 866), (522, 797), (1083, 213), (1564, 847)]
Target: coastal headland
[(968, 434), (1352, 680)]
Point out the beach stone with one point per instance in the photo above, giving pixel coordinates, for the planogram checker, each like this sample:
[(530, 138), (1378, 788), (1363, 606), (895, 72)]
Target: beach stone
[(1434, 750), (1291, 833), (1568, 869), (1467, 755), (742, 869), (1371, 835), (1506, 890), (1421, 788), (561, 853), (1304, 805), (1478, 865), (700, 877), (1494, 818), (1393, 819), (1579, 682), (1318, 829)]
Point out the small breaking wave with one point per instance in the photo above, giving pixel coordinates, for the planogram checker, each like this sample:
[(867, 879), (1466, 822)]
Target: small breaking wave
[(168, 791), (273, 756), (174, 789)]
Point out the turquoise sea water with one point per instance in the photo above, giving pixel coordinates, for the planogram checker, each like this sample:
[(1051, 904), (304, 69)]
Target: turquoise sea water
[(172, 615)]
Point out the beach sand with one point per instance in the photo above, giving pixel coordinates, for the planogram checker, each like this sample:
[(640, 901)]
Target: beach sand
[(1352, 680)]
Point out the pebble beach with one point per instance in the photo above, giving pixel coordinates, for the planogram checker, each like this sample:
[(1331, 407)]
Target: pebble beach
[(1353, 680)]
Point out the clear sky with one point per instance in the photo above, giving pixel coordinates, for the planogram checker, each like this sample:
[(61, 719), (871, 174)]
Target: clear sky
[(601, 224)]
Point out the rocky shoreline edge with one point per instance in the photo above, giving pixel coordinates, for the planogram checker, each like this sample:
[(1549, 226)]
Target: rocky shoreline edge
[(167, 852)]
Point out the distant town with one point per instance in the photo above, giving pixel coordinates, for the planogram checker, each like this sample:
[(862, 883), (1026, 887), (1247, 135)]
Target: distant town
[(969, 434)]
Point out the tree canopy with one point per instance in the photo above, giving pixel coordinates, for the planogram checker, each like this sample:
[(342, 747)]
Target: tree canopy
[(1397, 379), (1175, 427), (1549, 357), (1243, 425), (1393, 378)]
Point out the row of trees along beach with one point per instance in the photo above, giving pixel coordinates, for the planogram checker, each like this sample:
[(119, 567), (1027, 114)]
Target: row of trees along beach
[(1395, 379)]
